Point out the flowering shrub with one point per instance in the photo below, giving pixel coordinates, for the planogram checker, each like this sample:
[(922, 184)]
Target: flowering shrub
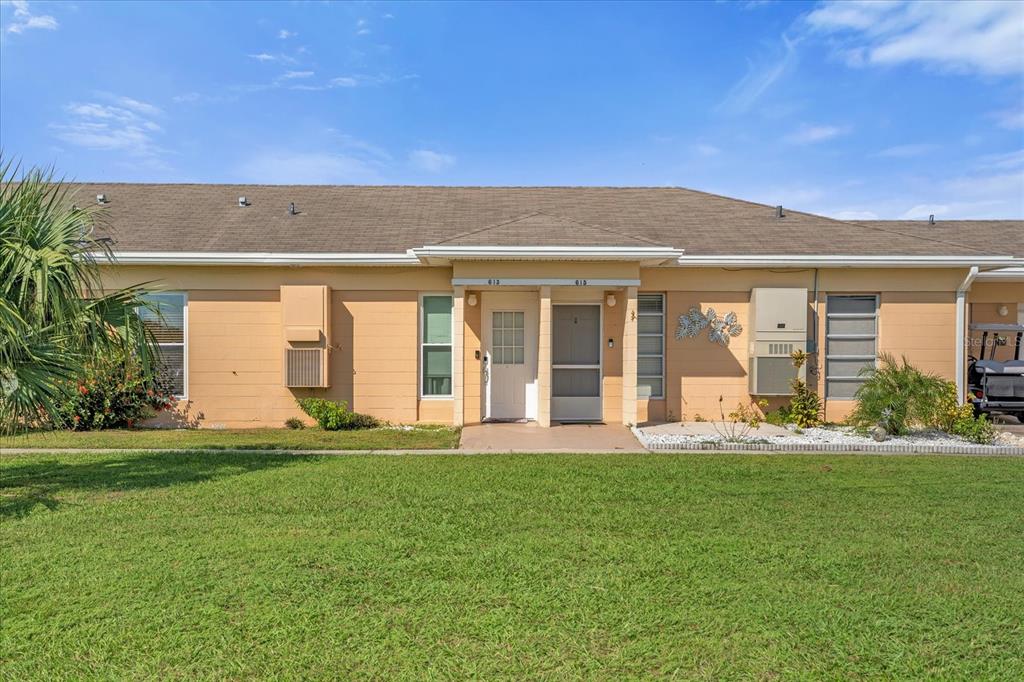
[(113, 393), (335, 416)]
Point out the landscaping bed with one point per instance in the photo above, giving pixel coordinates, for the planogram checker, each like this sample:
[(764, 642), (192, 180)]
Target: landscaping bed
[(711, 435), (384, 438), (267, 565)]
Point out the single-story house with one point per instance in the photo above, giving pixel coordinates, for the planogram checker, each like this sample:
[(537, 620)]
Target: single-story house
[(464, 304)]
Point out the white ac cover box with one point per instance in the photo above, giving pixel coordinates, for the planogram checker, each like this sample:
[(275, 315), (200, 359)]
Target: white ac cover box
[(778, 327)]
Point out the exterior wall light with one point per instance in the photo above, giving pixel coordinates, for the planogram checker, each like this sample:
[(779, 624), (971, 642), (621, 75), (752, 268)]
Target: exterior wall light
[(471, 300), (1003, 311), (610, 300)]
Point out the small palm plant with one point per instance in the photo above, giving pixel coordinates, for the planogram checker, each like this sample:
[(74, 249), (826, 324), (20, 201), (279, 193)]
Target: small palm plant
[(54, 313), (896, 396)]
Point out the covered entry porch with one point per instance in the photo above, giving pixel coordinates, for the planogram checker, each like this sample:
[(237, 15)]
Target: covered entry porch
[(545, 350)]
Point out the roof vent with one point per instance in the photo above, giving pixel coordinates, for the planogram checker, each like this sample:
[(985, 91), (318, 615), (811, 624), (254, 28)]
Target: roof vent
[(931, 219), (778, 212), (243, 202), (291, 209), (101, 198)]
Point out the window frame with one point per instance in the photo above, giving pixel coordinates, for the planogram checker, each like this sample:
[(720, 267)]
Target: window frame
[(829, 316), (420, 334), (662, 314), (184, 339)]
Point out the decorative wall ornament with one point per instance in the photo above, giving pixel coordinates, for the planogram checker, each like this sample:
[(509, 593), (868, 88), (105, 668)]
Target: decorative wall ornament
[(720, 329)]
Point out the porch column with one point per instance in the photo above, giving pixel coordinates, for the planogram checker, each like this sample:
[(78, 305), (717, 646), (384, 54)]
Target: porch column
[(458, 362), (629, 350), (544, 359)]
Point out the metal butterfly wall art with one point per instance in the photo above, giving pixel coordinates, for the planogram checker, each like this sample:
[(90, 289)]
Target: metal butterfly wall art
[(720, 329)]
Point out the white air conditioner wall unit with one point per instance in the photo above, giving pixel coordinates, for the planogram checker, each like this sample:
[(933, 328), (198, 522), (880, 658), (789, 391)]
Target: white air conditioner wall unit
[(306, 335), (778, 328)]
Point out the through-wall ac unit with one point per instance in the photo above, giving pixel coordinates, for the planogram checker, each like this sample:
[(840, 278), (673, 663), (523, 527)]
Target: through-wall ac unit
[(778, 327), (306, 326)]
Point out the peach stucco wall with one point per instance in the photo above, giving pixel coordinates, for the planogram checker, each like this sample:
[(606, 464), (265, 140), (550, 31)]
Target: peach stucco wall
[(985, 300), (235, 333)]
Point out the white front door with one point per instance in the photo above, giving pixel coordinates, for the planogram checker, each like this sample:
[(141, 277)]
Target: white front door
[(510, 355)]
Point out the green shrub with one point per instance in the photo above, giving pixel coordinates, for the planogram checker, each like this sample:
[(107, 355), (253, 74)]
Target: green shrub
[(779, 417), (896, 396), (805, 405), (294, 423), (112, 393), (335, 416), (977, 429)]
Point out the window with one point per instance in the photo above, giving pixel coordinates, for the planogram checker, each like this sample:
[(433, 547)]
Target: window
[(507, 342), (851, 339), (167, 322), (436, 346), (650, 346)]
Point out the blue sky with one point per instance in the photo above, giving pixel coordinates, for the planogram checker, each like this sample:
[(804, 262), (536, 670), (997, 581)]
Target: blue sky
[(855, 110)]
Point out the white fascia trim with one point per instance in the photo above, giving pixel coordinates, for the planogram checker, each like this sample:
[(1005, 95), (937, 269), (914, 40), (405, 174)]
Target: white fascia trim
[(548, 252), (846, 261), (1011, 274), (232, 258)]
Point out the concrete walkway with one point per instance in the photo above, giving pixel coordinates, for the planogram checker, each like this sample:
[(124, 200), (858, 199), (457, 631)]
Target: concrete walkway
[(559, 438)]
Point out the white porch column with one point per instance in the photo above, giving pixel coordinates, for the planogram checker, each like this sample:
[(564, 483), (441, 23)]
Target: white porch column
[(458, 361), (544, 359), (961, 334), (629, 350)]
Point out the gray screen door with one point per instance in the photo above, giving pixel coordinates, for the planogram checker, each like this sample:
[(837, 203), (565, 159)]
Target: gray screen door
[(576, 363)]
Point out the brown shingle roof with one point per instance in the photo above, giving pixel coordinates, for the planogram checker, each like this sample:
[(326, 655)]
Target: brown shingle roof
[(382, 219), (991, 236)]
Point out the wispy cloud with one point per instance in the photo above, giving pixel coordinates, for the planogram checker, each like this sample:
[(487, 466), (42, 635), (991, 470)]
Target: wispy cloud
[(362, 27), (1011, 119), (811, 134), (906, 151), (285, 34), (263, 57), (25, 20), (287, 167), (968, 37), (758, 79), (126, 125), (706, 150), (430, 161), (292, 75)]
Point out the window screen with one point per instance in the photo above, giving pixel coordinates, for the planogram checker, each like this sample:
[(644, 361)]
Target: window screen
[(851, 342), (436, 345), (650, 362), (166, 322)]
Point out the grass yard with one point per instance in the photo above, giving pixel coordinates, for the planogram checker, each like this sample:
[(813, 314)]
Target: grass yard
[(420, 437), (235, 566)]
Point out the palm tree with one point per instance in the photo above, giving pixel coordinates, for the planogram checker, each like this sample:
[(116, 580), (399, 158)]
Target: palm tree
[(54, 313)]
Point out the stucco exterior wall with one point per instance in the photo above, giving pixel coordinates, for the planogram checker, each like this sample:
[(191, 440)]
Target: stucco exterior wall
[(984, 300), (235, 342)]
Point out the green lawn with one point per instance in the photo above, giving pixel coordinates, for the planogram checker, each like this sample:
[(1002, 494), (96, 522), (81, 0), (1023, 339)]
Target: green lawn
[(421, 437), (235, 566)]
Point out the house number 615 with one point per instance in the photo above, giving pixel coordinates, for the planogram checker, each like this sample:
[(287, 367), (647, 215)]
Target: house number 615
[(581, 282)]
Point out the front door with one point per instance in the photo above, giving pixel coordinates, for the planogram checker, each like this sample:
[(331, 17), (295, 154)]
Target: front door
[(510, 355), (576, 362)]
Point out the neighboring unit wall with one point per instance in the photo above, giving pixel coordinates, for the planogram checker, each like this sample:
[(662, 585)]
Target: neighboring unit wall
[(916, 319), (985, 300)]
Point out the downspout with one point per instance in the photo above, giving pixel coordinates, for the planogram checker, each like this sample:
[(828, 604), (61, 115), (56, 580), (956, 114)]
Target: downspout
[(961, 332)]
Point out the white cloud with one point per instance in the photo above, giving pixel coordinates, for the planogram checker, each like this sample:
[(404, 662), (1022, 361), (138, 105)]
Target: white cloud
[(812, 134), (706, 149), (430, 161), (286, 167), (855, 215), (187, 98), (285, 34), (25, 20), (967, 37), (129, 127), (344, 82), (263, 57), (362, 27), (292, 75), (758, 79), (922, 211), (906, 151), (1011, 119)]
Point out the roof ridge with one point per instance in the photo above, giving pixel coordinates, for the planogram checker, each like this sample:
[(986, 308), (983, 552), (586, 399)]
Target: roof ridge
[(490, 226), (604, 229)]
